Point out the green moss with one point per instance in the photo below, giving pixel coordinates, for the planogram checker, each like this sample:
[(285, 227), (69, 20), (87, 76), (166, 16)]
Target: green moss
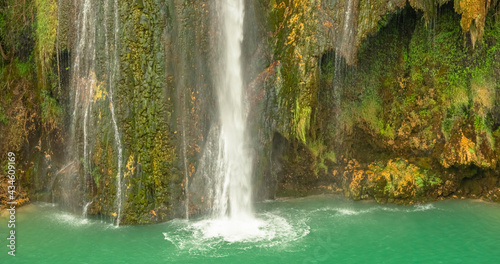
[(320, 154), (330, 155), (46, 31), (321, 166), (302, 121), (3, 117), (316, 148), (51, 110), (387, 132), (147, 139), (368, 113), (24, 69), (293, 26)]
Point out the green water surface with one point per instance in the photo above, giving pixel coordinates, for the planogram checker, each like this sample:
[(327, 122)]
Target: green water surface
[(309, 230)]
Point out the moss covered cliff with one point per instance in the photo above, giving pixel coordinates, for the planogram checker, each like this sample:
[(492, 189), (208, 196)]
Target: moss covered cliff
[(392, 100), (416, 85)]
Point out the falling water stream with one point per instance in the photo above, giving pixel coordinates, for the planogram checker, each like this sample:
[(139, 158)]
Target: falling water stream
[(86, 209), (232, 212), (233, 197), (343, 48), (316, 229), (228, 157), (114, 70), (83, 83)]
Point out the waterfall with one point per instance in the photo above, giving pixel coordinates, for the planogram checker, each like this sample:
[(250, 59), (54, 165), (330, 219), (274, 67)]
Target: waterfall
[(83, 83), (225, 168), (233, 178), (343, 48), (226, 164), (112, 67), (347, 30)]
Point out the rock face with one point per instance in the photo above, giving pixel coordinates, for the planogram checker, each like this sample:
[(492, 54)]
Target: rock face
[(410, 89), (392, 100)]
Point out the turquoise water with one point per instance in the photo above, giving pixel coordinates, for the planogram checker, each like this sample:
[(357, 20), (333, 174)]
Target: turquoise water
[(308, 230)]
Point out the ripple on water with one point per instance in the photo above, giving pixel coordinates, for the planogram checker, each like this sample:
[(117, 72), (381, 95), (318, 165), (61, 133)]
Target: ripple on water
[(346, 211), (269, 229)]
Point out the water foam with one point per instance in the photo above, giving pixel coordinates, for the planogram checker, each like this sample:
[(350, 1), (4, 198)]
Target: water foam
[(268, 230), (70, 219)]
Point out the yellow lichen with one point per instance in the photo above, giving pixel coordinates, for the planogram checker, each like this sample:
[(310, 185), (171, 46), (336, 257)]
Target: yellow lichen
[(473, 16), (100, 93)]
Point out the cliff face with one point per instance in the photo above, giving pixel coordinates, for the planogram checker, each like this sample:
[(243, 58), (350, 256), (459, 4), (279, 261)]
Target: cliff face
[(112, 105), (409, 106)]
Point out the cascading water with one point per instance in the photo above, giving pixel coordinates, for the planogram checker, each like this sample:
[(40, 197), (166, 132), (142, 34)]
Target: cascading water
[(83, 84), (343, 48), (227, 162), (233, 179)]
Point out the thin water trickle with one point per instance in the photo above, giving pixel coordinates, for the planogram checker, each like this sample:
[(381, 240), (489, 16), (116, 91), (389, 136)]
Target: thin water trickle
[(83, 18), (186, 175), (348, 28), (115, 71), (85, 209), (88, 108), (343, 52)]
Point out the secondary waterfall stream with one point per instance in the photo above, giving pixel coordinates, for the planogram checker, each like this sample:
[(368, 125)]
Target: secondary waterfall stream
[(83, 84), (88, 80), (114, 70), (344, 50)]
